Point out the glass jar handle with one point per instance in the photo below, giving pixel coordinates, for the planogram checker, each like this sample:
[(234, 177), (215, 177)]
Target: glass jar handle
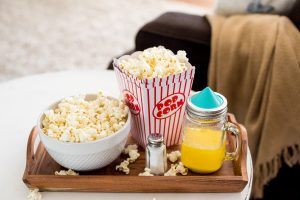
[(232, 128)]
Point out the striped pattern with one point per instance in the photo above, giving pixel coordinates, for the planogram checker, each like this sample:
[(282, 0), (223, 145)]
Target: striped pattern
[(150, 92)]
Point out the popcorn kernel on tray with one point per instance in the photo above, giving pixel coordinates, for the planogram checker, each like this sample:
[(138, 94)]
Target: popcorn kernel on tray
[(174, 156), (129, 148), (132, 151), (154, 62), (133, 155), (147, 172), (123, 167), (177, 169), (78, 120), (69, 172), (172, 171)]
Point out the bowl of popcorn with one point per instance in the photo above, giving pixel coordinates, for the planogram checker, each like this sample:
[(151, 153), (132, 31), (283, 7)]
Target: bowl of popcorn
[(85, 132)]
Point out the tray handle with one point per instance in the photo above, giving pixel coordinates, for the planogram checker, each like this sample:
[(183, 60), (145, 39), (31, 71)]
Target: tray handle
[(30, 156), (242, 159)]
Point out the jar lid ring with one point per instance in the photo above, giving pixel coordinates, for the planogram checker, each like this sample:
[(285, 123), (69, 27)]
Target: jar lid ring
[(207, 112)]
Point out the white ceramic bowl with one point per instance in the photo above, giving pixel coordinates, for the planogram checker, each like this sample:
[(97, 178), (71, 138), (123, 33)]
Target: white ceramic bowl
[(89, 155)]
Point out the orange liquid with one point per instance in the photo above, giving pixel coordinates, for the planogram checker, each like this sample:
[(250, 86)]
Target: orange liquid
[(203, 150)]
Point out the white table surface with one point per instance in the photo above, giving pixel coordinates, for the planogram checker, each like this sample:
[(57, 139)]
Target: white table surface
[(22, 100)]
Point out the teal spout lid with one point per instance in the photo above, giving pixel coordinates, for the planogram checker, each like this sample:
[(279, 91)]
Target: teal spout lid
[(206, 104), (207, 99)]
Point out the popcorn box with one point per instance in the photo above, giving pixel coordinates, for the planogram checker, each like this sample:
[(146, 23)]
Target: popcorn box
[(157, 105)]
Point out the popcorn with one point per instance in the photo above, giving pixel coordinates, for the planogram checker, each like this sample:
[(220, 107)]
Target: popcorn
[(174, 156), (123, 167), (132, 151), (181, 169), (172, 171), (78, 120), (147, 172), (34, 194), (129, 148), (133, 155), (66, 173), (154, 62), (176, 169)]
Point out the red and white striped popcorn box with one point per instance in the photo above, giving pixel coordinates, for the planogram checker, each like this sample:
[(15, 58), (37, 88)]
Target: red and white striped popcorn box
[(157, 105)]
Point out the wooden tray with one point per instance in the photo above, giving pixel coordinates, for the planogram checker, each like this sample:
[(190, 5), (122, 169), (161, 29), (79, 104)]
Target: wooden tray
[(40, 168)]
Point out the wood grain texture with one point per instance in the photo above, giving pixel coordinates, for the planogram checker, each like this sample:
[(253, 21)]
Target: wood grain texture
[(40, 168)]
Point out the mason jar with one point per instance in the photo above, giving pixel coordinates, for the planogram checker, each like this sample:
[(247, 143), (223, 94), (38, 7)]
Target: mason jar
[(203, 148)]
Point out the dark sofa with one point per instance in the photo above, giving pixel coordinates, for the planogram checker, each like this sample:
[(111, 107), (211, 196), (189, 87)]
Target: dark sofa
[(192, 33)]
